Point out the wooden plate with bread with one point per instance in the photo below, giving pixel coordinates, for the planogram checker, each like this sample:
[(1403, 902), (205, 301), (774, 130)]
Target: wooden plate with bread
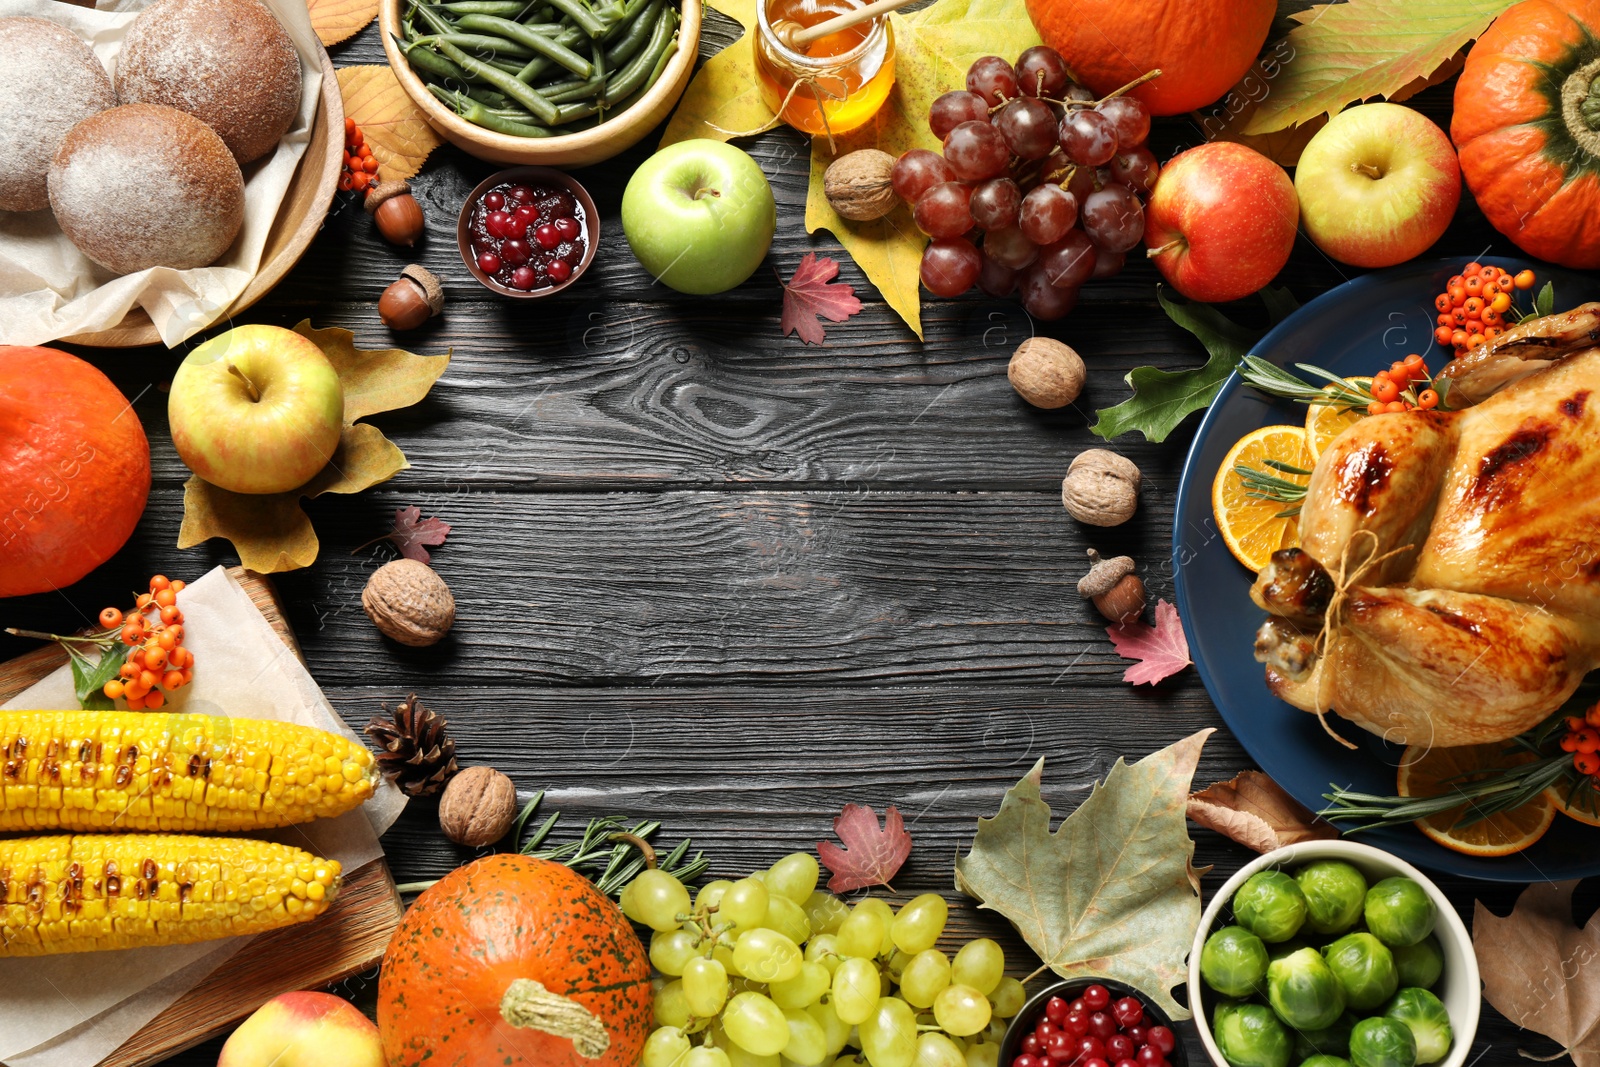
[(300, 216)]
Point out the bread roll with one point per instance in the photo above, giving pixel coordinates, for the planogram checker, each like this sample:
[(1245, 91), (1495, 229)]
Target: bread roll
[(226, 62), (50, 79), (146, 186)]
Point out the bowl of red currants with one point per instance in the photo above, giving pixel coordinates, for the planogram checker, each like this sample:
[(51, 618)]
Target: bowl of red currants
[(528, 232), (1091, 1022)]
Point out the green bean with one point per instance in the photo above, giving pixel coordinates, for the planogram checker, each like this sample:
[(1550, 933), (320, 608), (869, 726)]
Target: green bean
[(487, 97), (539, 64), (427, 61), (639, 69), (638, 33), (534, 42), (437, 22), (580, 14), (506, 83), (490, 46), (511, 9)]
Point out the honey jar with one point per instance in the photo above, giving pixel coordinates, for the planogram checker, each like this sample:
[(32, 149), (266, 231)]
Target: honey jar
[(834, 84)]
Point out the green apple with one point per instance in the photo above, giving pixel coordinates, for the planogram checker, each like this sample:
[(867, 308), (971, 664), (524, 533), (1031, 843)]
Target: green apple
[(699, 215), (258, 409)]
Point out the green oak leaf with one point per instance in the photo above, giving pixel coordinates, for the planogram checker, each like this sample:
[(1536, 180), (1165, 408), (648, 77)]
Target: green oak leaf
[(1113, 893), (1161, 398)]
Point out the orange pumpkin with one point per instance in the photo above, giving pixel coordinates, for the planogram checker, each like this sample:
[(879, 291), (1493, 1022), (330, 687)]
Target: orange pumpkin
[(1527, 128), (1202, 47), (74, 469), (514, 962)]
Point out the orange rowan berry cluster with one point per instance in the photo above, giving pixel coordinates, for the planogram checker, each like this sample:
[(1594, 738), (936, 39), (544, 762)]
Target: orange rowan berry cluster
[(1582, 739), (1473, 307), (158, 662), (360, 169), (1396, 389)]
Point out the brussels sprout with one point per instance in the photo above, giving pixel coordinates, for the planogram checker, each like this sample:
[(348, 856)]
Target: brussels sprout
[(1270, 906), (1249, 1035), (1325, 1061), (1365, 969), (1399, 912), (1303, 991), (1335, 894), (1421, 964), (1287, 948), (1427, 1020), (1382, 1042), (1234, 962), (1329, 1041)]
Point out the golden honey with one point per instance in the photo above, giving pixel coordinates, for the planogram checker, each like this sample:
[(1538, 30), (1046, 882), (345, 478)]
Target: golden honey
[(835, 83)]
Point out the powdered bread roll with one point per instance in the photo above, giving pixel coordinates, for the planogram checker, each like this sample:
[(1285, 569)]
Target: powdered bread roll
[(226, 62), (50, 80), (146, 186)]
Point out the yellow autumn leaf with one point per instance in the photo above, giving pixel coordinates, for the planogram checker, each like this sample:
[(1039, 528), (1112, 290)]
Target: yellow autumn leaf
[(888, 250), (393, 125), (270, 531), (339, 20), (724, 100)]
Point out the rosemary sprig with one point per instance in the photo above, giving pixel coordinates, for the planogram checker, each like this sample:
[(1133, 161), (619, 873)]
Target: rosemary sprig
[(1260, 485), (1490, 794), (610, 853), (1276, 381)]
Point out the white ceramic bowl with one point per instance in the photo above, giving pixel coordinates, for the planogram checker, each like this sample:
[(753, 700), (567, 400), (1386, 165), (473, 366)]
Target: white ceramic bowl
[(1458, 988)]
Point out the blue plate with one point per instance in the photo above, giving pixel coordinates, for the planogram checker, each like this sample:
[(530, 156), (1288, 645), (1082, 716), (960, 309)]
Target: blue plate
[(1355, 329)]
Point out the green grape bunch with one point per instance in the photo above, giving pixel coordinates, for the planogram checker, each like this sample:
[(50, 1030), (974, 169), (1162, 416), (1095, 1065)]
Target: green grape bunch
[(770, 971)]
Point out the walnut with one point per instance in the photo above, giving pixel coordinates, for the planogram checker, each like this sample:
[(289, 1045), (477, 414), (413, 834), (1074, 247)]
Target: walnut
[(478, 807), (857, 185), (1101, 488), (409, 602), (1046, 373)]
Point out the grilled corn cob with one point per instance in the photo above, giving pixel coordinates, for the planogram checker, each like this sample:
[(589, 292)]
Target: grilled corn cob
[(111, 770), (90, 892)]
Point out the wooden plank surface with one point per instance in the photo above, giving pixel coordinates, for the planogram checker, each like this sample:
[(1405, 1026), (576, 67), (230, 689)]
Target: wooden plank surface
[(709, 575)]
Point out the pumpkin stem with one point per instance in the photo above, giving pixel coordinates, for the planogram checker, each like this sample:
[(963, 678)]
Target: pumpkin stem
[(645, 848), (529, 1005), (1580, 106)]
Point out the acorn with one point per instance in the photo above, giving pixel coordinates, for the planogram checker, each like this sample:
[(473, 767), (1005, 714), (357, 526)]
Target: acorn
[(1114, 587), (411, 299), (396, 212)]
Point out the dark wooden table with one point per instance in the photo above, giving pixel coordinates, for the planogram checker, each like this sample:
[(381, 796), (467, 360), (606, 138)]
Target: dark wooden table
[(709, 575)]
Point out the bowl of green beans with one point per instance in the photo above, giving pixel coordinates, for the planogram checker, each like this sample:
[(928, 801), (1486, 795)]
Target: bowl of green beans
[(542, 82)]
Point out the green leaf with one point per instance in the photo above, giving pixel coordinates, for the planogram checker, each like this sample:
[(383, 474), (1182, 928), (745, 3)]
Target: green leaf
[(1162, 399), (89, 678), (1364, 48), (1545, 303), (1113, 893)]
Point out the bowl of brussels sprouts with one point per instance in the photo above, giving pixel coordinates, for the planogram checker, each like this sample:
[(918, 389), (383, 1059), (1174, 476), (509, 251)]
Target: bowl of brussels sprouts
[(1333, 954)]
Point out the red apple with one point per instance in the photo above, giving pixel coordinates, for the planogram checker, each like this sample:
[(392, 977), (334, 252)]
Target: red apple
[(1378, 185), (304, 1030), (1221, 221)]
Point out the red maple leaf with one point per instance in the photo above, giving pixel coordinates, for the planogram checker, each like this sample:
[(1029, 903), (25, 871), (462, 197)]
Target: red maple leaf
[(875, 853), (411, 532), (1161, 650), (812, 292)]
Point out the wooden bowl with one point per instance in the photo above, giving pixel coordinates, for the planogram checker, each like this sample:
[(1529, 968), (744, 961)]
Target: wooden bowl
[(573, 150), (300, 217), (531, 175)]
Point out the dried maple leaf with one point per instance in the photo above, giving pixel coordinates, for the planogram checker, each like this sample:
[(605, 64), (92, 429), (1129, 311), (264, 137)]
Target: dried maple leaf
[(393, 125), (1161, 650), (1113, 892), (270, 531), (339, 20), (812, 292), (874, 853), (1541, 971), (1255, 811), (411, 532)]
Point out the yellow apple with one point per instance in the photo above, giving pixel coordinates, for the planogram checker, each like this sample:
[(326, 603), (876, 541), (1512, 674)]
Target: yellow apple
[(304, 1030)]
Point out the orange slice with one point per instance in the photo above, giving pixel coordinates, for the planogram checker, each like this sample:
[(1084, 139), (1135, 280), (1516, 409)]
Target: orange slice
[(1585, 811), (1324, 422), (1426, 772), (1254, 529)]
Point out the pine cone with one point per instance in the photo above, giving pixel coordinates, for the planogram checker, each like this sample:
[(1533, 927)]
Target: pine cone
[(417, 755)]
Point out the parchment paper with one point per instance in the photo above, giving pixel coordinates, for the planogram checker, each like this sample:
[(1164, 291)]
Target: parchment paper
[(50, 1015), (48, 289)]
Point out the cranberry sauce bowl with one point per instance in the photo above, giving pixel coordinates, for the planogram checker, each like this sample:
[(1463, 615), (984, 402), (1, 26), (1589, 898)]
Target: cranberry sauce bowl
[(528, 231), (1091, 1022)]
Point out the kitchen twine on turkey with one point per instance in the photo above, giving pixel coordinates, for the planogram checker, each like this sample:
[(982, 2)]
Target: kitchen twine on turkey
[(1333, 618)]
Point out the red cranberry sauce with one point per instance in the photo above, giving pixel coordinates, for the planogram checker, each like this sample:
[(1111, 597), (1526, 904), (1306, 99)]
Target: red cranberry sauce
[(527, 236)]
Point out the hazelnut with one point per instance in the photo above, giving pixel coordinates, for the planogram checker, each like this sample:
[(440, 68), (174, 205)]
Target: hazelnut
[(411, 299), (478, 807), (1101, 488), (1046, 373), (1114, 587), (857, 185), (409, 602), (396, 212)]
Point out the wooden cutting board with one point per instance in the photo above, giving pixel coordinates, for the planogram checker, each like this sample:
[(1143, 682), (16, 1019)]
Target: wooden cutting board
[(349, 939)]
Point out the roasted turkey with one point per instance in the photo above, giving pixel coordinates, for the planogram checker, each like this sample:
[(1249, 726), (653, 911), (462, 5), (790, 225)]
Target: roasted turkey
[(1447, 587)]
